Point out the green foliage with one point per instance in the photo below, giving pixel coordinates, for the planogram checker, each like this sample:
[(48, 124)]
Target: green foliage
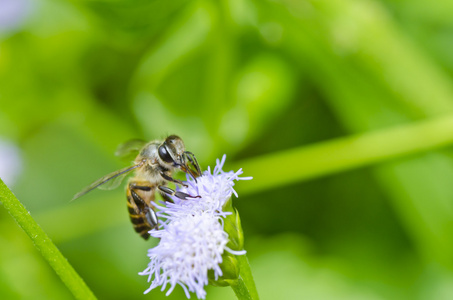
[(340, 109)]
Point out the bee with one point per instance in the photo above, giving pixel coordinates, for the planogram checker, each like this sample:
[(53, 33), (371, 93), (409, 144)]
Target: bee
[(154, 165)]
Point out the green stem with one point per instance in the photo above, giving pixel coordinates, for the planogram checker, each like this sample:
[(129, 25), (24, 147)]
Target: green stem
[(346, 153), (43, 243), (244, 287)]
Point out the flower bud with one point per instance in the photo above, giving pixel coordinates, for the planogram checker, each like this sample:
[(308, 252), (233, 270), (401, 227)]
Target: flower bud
[(232, 226), (230, 270), (230, 265)]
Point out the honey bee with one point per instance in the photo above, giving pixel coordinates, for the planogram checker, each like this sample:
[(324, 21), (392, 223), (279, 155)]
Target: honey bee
[(154, 165)]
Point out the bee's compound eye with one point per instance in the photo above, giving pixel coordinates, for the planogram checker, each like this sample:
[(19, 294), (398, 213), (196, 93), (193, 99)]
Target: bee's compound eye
[(164, 155)]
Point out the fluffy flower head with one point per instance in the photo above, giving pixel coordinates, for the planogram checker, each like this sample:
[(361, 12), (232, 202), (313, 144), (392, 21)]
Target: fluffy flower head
[(192, 237)]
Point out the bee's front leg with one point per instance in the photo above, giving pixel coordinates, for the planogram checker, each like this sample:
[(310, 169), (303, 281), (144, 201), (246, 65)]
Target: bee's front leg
[(171, 179)]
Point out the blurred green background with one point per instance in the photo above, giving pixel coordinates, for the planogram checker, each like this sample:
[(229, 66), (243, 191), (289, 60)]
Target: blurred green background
[(254, 80)]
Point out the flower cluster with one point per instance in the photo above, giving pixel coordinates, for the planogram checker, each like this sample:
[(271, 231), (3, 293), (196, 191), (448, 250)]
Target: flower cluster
[(192, 236)]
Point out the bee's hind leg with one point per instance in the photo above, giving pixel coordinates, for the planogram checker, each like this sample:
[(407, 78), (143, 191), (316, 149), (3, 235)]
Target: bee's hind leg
[(142, 216), (151, 217)]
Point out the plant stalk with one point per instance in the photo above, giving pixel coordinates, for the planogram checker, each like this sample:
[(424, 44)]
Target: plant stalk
[(44, 244), (346, 153), (244, 287)]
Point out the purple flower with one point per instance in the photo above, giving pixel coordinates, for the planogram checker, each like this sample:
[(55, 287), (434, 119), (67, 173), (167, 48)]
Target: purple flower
[(11, 163), (192, 236), (13, 13)]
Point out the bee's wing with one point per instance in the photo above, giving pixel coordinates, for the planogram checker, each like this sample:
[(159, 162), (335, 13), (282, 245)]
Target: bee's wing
[(130, 149), (109, 181)]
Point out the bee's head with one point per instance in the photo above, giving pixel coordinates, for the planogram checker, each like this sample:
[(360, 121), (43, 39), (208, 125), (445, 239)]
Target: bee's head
[(172, 152)]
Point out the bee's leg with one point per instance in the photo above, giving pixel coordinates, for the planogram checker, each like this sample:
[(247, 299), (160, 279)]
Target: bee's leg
[(143, 186), (142, 216), (171, 179), (193, 160), (180, 195), (167, 197), (151, 217)]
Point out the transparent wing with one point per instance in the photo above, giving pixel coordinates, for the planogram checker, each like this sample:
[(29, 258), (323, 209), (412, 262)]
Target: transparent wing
[(130, 149), (109, 181)]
